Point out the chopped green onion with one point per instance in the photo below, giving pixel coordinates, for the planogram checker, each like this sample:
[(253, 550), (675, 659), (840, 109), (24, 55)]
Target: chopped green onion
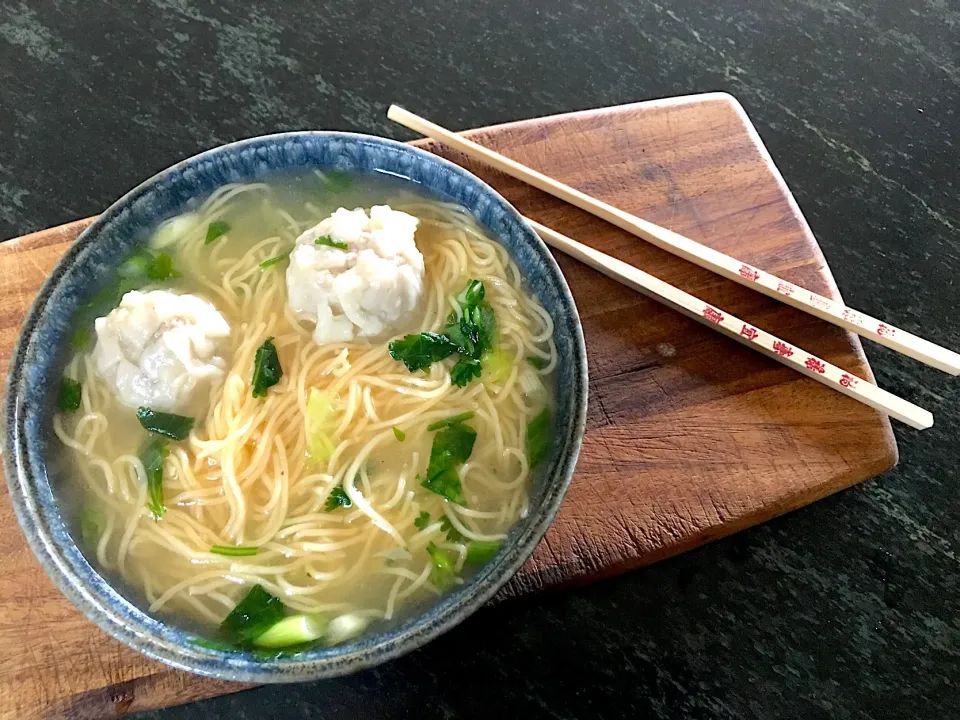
[(70, 395), (215, 230), (538, 363), (538, 438), (328, 241), (320, 426), (480, 551), (234, 550), (450, 421), (294, 630), (345, 627), (269, 262), (152, 454), (92, 524), (337, 498), (266, 368), (175, 427), (399, 434), (253, 616), (443, 573)]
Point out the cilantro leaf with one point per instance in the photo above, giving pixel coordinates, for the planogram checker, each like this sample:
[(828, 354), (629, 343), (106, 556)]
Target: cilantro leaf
[(152, 454), (337, 498), (464, 371), (453, 535), (215, 230), (538, 438), (266, 368), (175, 427), (422, 520), (419, 352), (161, 268), (451, 448), (399, 434), (71, 393), (252, 616)]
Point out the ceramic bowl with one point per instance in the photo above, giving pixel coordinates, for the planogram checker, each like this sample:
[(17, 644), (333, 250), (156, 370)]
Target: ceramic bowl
[(43, 347)]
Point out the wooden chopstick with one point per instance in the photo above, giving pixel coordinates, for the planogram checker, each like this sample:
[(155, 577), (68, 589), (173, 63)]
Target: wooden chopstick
[(748, 275), (733, 327)]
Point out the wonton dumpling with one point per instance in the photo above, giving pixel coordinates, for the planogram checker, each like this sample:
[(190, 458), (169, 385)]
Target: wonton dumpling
[(365, 289), (158, 349)]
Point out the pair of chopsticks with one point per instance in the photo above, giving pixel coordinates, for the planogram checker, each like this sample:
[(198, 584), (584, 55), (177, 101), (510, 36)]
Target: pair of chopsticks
[(790, 355)]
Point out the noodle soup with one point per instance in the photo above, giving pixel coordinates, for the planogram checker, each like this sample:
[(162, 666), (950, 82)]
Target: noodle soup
[(310, 404)]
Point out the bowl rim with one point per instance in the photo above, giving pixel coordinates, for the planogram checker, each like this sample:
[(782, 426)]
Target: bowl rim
[(37, 516)]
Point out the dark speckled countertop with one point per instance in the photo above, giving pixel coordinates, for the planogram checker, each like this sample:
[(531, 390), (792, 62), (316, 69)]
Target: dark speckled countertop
[(846, 609)]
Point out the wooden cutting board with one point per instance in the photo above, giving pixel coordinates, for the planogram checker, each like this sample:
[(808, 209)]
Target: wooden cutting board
[(690, 436)]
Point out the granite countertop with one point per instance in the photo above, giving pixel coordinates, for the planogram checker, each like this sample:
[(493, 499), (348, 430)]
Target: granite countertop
[(846, 609)]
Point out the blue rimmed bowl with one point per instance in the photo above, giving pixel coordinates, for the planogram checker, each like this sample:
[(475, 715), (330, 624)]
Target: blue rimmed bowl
[(43, 348)]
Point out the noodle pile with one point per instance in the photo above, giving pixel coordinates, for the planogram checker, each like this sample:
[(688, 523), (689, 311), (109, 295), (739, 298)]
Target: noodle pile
[(244, 477)]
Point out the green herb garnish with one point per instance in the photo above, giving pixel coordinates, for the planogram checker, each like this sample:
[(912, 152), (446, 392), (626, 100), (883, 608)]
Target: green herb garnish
[(175, 427), (538, 438), (464, 371), (70, 395), (453, 535), (234, 550), (337, 498), (216, 229), (253, 616), (152, 454), (328, 241), (443, 574), (399, 434), (270, 262), (418, 352), (480, 551), (451, 448), (161, 268), (336, 181), (266, 368), (537, 362), (422, 520), (92, 525), (450, 421)]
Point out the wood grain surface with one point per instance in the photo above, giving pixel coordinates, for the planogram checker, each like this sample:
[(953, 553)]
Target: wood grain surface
[(690, 436)]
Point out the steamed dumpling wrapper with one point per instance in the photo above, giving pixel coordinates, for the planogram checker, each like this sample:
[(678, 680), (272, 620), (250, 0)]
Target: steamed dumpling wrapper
[(159, 350), (356, 275)]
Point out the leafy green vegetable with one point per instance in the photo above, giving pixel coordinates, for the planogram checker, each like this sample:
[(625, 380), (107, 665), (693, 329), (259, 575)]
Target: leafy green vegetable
[(443, 574), (294, 630), (215, 230), (538, 363), (480, 551), (453, 535), (152, 454), (451, 448), (175, 427), (472, 294), (538, 438), (337, 498), (464, 371), (320, 426), (92, 525), (328, 241), (419, 352), (336, 181), (253, 616), (399, 434), (422, 520), (269, 262), (70, 395), (450, 421), (234, 550), (266, 368), (161, 268)]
